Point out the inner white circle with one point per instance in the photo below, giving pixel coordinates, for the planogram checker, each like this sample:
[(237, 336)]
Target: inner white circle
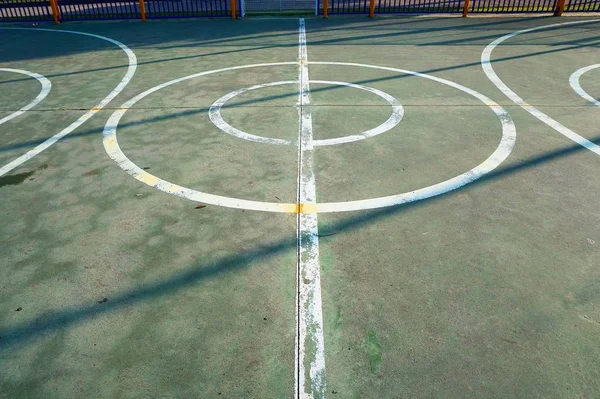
[(505, 147), (215, 115), (46, 86)]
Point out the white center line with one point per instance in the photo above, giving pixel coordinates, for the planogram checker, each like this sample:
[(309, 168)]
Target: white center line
[(310, 348)]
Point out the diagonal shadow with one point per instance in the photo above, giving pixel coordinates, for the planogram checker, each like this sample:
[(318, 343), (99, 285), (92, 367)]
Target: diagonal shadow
[(290, 94), (198, 273), (334, 41)]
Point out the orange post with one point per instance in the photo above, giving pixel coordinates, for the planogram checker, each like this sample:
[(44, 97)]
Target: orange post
[(560, 7), (55, 11), (233, 9), (371, 8), (142, 10), (466, 8), (325, 8)]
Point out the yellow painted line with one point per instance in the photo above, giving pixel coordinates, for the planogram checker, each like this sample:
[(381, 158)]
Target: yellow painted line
[(149, 179), (299, 208), (110, 144), (289, 208), (96, 108)]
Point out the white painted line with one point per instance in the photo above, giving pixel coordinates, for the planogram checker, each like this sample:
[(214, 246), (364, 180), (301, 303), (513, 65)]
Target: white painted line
[(505, 147), (46, 86), (310, 342), (503, 150), (215, 116), (214, 113), (491, 74), (574, 82), (111, 145), (82, 119)]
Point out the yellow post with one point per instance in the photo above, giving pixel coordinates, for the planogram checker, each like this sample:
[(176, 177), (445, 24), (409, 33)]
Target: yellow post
[(142, 10), (325, 8), (55, 11), (371, 8), (466, 8), (233, 9), (560, 7)]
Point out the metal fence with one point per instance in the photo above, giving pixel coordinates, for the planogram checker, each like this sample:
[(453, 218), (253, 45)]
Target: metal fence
[(278, 6), (347, 7), (419, 6), (582, 5), (454, 6), (187, 8), (76, 10), (25, 10), (511, 6), (81, 10)]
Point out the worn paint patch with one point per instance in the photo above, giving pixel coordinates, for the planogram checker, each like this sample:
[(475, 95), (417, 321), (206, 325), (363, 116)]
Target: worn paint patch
[(374, 352)]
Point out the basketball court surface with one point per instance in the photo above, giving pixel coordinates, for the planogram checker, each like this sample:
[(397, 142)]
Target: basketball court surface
[(404, 207)]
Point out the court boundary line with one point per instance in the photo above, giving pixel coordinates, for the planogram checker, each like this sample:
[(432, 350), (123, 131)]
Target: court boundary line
[(486, 63), (132, 59)]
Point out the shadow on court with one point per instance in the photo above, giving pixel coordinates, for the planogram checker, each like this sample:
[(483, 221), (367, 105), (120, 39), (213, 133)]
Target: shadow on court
[(565, 46), (253, 32), (199, 273)]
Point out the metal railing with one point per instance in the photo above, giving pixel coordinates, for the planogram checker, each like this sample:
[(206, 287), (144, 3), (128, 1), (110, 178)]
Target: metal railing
[(81, 10), (373, 7), (77, 10)]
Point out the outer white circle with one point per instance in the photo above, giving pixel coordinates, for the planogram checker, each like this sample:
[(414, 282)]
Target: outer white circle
[(46, 86), (503, 150), (215, 116)]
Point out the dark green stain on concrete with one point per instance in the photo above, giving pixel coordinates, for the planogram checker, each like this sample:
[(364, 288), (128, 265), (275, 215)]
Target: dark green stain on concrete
[(374, 352), (326, 260), (13, 180)]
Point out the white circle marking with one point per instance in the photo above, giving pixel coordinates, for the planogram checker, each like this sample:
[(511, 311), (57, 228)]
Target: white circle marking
[(131, 67), (574, 82), (215, 116), (503, 150), (46, 86)]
